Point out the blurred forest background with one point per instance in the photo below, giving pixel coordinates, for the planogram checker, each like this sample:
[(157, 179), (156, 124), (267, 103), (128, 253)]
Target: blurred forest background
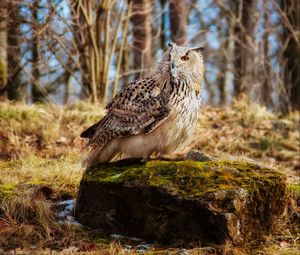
[(75, 55), (61, 51)]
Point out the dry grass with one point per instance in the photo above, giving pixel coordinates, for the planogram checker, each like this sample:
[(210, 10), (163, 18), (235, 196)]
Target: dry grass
[(40, 154), (249, 130), (28, 220), (49, 131), (61, 174)]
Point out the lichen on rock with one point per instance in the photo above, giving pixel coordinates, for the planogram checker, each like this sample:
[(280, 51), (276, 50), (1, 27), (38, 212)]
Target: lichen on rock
[(181, 201)]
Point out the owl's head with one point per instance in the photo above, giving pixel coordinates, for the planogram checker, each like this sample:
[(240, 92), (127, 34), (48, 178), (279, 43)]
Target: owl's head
[(183, 63)]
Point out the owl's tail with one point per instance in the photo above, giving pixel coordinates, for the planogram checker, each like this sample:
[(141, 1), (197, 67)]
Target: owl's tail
[(90, 132), (98, 155)]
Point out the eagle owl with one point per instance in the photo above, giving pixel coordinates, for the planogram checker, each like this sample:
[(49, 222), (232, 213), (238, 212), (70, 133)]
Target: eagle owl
[(154, 115)]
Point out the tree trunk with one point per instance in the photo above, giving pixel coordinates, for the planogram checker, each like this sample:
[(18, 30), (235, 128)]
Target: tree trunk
[(163, 26), (266, 86), (178, 21), (36, 90), (67, 81), (125, 63), (81, 41), (291, 54), (243, 53), (3, 44), (223, 63), (14, 52), (141, 31)]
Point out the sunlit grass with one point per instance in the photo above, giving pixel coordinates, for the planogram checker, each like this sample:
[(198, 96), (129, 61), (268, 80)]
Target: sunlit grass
[(249, 130), (40, 147), (64, 173)]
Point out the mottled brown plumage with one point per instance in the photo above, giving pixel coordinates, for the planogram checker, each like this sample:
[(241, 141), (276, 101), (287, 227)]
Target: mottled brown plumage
[(152, 115)]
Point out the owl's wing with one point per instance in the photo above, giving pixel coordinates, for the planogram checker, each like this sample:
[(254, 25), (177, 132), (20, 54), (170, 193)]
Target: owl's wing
[(138, 108)]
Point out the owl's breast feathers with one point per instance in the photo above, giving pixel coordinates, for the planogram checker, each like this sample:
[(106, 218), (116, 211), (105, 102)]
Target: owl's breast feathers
[(138, 108)]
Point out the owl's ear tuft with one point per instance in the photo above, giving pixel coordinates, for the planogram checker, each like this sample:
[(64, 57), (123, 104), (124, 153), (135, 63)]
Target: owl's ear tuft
[(171, 44), (199, 49)]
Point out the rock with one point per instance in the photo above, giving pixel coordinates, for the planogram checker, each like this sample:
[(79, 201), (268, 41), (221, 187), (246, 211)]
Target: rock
[(197, 155), (181, 202)]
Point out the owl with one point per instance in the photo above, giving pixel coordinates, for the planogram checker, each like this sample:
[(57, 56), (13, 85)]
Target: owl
[(152, 116)]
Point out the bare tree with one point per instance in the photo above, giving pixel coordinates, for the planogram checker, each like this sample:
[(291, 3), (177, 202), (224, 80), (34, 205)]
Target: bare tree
[(3, 45), (221, 78), (38, 95), (95, 44), (291, 52), (178, 21), (163, 25), (103, 44), (80, 32), (266, 83), (225, 35), (14, 52), (141, 31), (244, 38), (67, 80), (123, 52)]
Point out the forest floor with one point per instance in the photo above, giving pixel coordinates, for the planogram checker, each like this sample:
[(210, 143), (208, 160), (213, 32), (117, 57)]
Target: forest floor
[(40, 171)]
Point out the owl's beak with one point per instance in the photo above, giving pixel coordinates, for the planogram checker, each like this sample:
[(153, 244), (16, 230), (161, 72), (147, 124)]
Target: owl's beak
[(173, 74), (173, 67)]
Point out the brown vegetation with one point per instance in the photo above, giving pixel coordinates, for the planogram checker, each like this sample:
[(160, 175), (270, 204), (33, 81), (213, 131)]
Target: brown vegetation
[(40, 166)]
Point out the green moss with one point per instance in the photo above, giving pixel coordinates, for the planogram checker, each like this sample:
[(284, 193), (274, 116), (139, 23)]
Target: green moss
[(36, 182), (7, 190), (294, 189), (186, 178), (101, 239), (7, 164)]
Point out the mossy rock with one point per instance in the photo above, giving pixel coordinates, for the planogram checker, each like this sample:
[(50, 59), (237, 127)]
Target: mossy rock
[(184, 201)]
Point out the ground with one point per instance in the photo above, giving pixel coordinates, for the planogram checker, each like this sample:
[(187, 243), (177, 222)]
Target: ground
[(40, 154)]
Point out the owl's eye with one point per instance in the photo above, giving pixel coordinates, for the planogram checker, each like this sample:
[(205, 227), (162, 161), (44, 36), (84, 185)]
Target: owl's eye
[(185, 58)]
